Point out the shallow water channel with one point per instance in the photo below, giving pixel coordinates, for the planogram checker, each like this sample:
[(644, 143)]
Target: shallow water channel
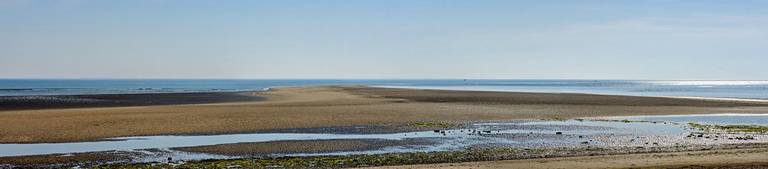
[(652, 131)]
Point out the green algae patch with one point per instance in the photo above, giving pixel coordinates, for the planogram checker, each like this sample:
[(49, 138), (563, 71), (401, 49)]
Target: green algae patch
[(730, 128)]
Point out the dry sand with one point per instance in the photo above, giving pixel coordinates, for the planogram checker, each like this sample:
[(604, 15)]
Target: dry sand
[(739, 158), (286, 108)]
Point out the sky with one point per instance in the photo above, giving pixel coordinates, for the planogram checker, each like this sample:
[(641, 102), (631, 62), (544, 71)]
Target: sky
[(385, 39)]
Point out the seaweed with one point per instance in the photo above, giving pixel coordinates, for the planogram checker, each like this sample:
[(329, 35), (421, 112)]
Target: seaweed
[(730, 128)]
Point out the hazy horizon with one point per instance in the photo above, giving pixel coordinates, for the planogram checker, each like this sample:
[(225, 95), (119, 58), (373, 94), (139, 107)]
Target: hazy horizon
[(399, 39), (514, 79)]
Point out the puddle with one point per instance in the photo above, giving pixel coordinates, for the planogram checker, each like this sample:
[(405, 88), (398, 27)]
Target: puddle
[(664, 131)]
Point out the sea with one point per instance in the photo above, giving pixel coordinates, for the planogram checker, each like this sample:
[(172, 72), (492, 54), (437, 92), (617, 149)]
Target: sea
[(741, 89)]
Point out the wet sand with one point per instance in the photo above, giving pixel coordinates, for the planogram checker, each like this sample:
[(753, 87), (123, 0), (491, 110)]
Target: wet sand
[(63, 161), (293, 147), (505, 98), (119, 100), (311, 107)]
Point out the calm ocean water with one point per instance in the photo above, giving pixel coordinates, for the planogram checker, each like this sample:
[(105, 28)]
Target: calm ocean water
[(718, 89)]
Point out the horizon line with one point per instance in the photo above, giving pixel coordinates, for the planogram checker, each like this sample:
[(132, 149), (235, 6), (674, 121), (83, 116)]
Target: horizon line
[(3, 78)]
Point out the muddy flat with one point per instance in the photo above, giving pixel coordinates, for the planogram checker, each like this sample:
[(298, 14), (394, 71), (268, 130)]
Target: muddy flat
[(297, 147), (120, 100)]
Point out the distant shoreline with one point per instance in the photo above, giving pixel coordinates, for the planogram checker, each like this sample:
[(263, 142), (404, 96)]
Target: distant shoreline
[(514, 97), (734, 89), (36, 102), (586, 93)]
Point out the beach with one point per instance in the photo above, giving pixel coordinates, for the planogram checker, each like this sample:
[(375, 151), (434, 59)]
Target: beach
[(302, 109), (389, 84), (288, 108)]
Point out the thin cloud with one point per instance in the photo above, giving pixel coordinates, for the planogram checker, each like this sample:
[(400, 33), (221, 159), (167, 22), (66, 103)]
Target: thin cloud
[(691, 27)]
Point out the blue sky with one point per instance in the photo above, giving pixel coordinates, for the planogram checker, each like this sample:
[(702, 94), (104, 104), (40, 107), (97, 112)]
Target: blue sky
[(512, 39)]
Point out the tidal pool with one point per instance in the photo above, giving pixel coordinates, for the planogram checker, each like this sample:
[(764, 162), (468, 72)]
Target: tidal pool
[(607, 132)]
